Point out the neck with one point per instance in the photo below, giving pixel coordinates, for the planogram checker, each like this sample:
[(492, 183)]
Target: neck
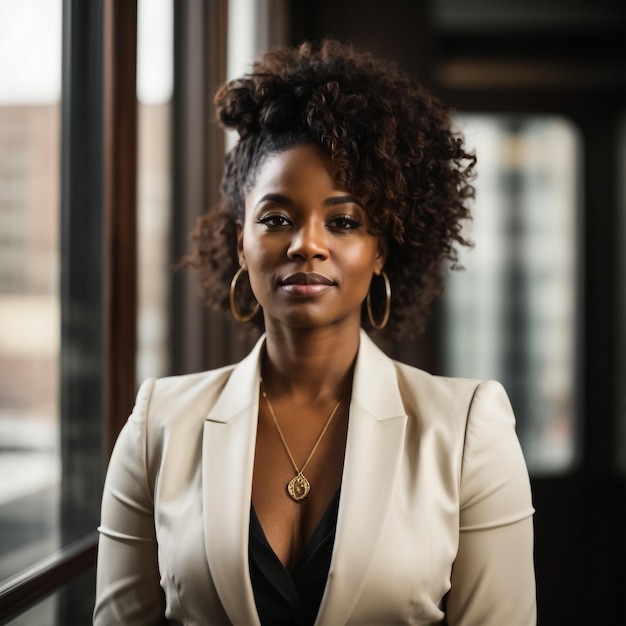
[(310, 364)]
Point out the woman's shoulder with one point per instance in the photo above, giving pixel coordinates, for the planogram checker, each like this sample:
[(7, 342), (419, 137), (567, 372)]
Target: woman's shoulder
[(451, 400), (192, 384), (178, 400), (419, 380)]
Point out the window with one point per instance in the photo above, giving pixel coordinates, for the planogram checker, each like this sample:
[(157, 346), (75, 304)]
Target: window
[(30, 328), (514, 313), (154, 95), (69, 202)]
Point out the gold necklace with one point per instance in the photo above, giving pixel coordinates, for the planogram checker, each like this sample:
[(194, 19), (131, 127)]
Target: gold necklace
[(298, 487)]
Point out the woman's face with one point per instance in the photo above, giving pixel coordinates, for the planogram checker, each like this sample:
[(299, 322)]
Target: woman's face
[(305, 242)]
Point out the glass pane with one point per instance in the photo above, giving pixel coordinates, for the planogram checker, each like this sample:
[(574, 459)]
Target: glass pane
[(30, 466), (512, 314), (154, 93)]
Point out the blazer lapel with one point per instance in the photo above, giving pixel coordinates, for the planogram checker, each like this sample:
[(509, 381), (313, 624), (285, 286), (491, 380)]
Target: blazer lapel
[(227, 466), (376, 432), (373, 454)]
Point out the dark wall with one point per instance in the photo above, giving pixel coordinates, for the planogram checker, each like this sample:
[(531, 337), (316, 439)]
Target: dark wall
[(393, 29)]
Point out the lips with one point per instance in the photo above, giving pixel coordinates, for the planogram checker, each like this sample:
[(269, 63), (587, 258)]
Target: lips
[(310, 278), (306, 285)]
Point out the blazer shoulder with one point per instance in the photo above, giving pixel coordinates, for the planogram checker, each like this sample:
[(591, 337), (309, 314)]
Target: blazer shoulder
[(178, 401), (436, 401), (198, 382), (460, 406), (415, 382)]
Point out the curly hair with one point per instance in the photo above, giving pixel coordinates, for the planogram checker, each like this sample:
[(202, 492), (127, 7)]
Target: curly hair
[(392, 144)]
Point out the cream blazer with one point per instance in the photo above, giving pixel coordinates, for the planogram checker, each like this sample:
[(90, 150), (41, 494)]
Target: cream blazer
[(435, 513)]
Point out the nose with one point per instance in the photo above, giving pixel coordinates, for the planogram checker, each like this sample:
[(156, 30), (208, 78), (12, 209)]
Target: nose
[(309, 242)]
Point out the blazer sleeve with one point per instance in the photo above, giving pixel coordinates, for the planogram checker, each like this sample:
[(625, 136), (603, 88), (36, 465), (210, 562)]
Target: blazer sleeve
[(127, 589), (493, 578)]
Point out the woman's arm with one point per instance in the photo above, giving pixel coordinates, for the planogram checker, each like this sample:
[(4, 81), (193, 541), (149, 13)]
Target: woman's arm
[(493, 578), (128, 590)]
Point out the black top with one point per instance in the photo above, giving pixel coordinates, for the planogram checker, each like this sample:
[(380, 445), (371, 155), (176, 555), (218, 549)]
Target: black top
[(291, 598)]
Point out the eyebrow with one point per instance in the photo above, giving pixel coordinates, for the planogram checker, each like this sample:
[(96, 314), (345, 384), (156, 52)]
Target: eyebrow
[(332, 201), (342, 200)]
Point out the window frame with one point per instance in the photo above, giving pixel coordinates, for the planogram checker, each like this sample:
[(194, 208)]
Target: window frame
[(98, 273)]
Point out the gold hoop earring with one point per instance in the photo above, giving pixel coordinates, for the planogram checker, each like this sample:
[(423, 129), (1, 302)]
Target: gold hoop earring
[(233, 306), (383, 323)]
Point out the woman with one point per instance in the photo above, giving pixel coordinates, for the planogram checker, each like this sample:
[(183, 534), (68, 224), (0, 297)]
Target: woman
[(318, 481)]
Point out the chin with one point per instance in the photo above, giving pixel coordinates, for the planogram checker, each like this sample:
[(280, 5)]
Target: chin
[(311, 321), (304, 322)]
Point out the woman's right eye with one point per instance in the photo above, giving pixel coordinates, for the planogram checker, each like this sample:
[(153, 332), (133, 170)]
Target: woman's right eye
[(274, 221)]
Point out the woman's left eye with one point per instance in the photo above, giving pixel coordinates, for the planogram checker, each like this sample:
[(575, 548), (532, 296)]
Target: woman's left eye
[(344, 222)]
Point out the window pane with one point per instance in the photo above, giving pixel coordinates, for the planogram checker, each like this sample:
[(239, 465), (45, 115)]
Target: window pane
[(512, 314), (154, 94), (30, 466)]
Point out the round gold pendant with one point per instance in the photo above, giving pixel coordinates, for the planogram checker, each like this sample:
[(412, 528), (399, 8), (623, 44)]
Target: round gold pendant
[(298, 487)]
